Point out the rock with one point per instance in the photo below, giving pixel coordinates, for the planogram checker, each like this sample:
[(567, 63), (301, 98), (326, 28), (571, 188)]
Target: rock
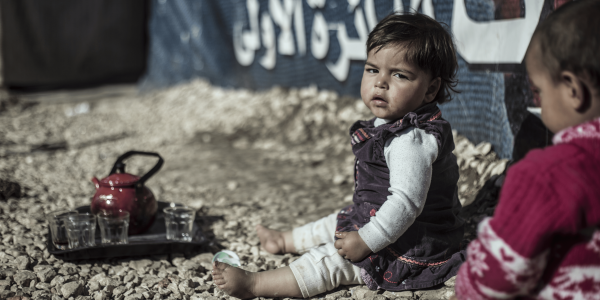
[(23, 262), (134, 297), (100, 295), (93, 286), (57, 280), (148, 294), (187, 287), (43, 286), (68, 269), (118, 291), (45, 274), (483, 148), (128, 278), (98, 276), (119, 270), (9, 189), (109, 288), (163, 283), (398, 295), (7, 273), (450, 282), (203, 258), (203, 288), (174, 288), (28, 290), (140, 265), (164, 291), (71, 289), (23, 278), (203, 296), (363, 292), (178, 261), (41, 295), (443, 293), (338, 294), (6, 294), (150, 281), (192, 265)]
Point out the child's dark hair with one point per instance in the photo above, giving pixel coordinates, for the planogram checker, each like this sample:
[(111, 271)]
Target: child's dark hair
[(569, 40), (427, 44)]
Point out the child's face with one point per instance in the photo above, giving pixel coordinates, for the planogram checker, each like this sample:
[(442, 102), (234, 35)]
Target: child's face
[(391, 87), (555, 111)]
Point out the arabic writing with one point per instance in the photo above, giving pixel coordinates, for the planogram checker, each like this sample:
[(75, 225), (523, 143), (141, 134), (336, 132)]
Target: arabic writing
[(501, 41)]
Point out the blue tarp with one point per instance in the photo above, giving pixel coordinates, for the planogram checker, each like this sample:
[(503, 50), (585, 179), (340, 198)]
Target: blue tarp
[(257, 44)]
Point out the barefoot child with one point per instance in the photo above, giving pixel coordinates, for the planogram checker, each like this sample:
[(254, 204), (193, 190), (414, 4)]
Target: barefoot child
[(543, 242), (402, 232)]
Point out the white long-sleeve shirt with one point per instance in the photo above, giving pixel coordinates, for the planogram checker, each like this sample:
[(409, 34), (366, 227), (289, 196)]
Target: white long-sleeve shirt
[(409, 156)]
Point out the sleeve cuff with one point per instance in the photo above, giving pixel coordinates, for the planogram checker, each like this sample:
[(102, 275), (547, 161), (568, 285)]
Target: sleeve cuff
[(373, 238)]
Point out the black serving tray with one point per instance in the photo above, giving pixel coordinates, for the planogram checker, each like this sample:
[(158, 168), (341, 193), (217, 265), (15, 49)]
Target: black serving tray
[(152, 242)]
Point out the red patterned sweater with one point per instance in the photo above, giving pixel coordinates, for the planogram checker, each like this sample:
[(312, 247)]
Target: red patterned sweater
[(542, 242)]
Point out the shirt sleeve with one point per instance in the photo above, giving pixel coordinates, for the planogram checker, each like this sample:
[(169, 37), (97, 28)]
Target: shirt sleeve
[(409, 157), (512, 248)]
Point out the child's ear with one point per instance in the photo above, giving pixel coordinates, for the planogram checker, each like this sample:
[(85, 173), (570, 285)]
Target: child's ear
[(432, 90), (578, 92)]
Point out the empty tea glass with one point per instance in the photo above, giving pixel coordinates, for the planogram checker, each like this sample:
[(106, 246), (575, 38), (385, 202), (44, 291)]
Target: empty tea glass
[(179, 221), (58, 230), (113, 227), (81, 230)]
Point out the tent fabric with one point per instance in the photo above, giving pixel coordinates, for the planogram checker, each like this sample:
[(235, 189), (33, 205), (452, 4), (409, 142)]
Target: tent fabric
[(72, 43), (190, 39)]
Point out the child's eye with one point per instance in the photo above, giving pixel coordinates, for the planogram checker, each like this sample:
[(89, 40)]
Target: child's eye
[(372, 70), (400, 76)]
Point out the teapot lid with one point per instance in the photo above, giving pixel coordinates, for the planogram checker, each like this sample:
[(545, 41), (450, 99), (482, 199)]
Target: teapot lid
[(119, 180)]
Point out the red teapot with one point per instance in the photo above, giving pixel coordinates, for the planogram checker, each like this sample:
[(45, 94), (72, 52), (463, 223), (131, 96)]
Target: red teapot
[(127, 192)]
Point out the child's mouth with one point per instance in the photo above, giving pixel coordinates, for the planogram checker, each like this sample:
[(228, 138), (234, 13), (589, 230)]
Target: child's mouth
[(378, 101)]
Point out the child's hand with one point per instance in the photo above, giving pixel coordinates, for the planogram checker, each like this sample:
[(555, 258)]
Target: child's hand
[(351, 246)]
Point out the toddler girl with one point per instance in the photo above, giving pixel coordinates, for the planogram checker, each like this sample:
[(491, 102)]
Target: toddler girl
[(402, 232)]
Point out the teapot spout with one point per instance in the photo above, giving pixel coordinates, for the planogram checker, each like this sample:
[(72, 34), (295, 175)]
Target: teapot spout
[(96, 182)]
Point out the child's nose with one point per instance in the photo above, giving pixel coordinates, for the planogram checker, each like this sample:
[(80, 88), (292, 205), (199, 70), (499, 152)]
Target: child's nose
[(381, 83)]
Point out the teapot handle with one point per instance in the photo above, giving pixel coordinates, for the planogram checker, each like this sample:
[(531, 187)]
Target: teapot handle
[(119, 165)]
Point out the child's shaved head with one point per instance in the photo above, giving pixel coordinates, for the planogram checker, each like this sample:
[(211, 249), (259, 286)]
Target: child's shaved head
[(569, 40)]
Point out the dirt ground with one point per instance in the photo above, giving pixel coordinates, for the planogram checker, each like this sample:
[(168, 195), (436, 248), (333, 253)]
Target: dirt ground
[(280, 158)]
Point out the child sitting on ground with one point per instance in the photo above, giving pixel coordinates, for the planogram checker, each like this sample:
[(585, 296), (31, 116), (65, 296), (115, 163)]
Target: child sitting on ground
[(402, 232), (542, 241)]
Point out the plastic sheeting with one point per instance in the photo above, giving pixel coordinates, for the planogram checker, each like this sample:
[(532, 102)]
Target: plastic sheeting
[(257, 44)]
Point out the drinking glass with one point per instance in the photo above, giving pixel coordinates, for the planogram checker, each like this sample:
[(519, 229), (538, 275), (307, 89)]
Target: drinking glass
[(81, 230), (113, 227), (179, 221), (58, 230)]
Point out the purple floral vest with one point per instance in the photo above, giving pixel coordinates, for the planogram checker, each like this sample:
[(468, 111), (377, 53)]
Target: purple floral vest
[(428, 253)]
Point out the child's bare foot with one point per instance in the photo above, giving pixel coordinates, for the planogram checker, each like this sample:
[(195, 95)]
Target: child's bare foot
[(233, 281), (243, 284), (274, 241)]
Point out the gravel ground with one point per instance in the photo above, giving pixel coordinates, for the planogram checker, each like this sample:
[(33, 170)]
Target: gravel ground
[(279, 157)]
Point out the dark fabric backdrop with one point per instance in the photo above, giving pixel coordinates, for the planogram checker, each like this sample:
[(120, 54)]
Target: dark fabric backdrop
[(72, 43)]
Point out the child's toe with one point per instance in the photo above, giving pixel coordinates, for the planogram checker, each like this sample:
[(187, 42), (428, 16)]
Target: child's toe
[(219, 267)]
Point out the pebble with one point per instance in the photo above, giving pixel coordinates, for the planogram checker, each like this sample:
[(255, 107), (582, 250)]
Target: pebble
[(24, 278), (71, 289)]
